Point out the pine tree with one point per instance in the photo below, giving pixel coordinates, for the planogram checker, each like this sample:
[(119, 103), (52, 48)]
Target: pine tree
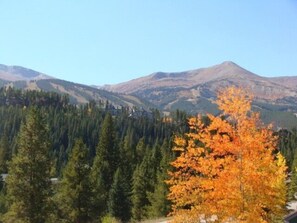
[(293, 184), (4, 153), (104, 165), (119, 197), (140, 150), (139, 194), (143, 181), (127, 154), (74, 196), (28, 182), (159, 204)]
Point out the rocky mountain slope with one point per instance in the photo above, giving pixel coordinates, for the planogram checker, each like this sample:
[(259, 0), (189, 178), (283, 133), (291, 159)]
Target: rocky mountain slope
[(194, 90)]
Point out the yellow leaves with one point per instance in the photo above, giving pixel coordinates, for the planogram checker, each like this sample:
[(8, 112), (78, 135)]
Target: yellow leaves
[(227, 168), (234, 101), (280, 161), (180, 144)]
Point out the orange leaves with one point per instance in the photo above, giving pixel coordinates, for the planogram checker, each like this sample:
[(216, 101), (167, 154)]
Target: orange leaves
[(235, 102), (226, 168)]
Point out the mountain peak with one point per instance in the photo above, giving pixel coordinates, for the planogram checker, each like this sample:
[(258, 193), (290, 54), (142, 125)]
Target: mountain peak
[(229, 63), (227, 70), (16, 73)]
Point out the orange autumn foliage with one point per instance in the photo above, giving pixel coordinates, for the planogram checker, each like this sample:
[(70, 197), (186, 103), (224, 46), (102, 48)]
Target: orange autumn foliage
[(227, 170)]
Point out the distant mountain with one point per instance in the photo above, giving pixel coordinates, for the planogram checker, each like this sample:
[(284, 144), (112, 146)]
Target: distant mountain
[(195, 90), (190, 88), (24, 78), (187, 79), (17, 73)]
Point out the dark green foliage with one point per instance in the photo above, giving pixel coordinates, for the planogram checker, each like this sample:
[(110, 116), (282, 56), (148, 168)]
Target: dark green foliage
[(116, 139), (280, 119), (74, 195), (3, 199), (119, 197), (4, 153), (140, 150), (288, 147), (159, 204), (288, 144), (139, 194), (105, 164), (292, 189), (10, 96), (107, 148), (28, 182), (143, 183)]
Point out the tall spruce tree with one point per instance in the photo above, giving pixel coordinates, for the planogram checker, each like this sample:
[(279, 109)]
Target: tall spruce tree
[(28, 182), (142, 184), (4, 153), (74, 197), (139, 194), (104, 165), (293, 183), (159, 204), (140, 150), (119, 197)]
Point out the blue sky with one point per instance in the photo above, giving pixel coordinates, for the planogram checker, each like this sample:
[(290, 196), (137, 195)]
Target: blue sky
[(107, 42)]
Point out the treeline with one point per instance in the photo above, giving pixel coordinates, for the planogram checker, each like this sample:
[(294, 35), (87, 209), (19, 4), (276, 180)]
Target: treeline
[(109, 162)]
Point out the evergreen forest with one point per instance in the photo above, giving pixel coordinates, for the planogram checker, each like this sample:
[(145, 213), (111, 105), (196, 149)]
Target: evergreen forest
[(96, 161)]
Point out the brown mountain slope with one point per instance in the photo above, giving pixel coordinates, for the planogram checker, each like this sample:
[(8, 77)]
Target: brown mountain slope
[(24, 78), (194, 89), (17, 73), (185, 79), (286, 81)]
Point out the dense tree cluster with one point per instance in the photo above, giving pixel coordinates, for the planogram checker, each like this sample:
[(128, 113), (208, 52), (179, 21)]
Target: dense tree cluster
[(109, 162), (288, 147)]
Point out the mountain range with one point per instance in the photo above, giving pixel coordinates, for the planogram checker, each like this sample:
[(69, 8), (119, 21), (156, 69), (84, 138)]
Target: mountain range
[(193, 91), (27, 79), (195, 88)]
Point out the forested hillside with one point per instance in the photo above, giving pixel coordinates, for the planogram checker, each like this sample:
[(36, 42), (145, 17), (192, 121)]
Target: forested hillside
[(110, 162), (129, 149)]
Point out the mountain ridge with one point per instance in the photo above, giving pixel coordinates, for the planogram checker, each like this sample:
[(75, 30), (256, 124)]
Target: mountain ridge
[(214, 77), (19, 73), (227, 69), (28, 79), (193, 90)]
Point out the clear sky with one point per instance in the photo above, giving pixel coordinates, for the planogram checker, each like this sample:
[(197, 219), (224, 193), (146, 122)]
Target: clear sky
[(106, 42)]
